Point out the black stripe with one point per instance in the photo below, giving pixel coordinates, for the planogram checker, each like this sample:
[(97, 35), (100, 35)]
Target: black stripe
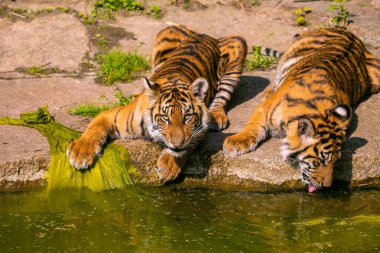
[(272, 112), (115, 122), (373, 65), (142, 126), (298, 117)]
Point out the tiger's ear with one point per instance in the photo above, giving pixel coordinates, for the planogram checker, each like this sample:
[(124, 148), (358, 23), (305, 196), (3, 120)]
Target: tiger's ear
[(342, 112), (152, 89), (300, 132), (200, 87), (305, 128)]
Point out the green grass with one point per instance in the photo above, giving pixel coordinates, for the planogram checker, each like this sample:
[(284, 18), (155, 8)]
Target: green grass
[(107, 8), (41, 71), (155, 11), (116, 5), (90, 110), (341, 13), (120, 66), (258, 61)]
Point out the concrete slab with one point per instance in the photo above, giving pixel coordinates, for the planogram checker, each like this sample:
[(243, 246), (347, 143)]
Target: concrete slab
[(53, 40)]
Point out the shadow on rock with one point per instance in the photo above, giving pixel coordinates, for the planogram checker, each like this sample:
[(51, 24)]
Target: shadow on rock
[(199, 163), (249, 87), (343, 168)]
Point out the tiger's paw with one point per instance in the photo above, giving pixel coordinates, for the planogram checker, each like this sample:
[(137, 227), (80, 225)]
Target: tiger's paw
[(239, 144), (218, 121), (168, 167), (83, 152)]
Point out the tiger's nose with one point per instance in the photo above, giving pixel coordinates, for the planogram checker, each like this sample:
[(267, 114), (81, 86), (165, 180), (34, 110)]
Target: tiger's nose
[(324, 175), (177, 137)]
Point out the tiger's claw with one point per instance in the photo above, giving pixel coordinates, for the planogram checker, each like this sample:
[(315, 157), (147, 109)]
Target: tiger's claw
[(219, 120), (167, 168), (82, 153), (239, 144)]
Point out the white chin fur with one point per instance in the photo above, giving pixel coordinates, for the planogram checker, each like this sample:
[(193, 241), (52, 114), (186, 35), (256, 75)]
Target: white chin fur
[(176, 154)]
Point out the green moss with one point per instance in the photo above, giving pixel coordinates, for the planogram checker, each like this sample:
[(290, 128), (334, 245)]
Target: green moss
[(120, 66), (301, 16), (109, 172), (35, 71), (255, 2), (301, 21), (90, 110), (258, 61), (39, 71)]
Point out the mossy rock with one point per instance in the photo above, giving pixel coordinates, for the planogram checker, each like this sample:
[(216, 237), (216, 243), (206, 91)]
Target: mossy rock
[(111, 170)]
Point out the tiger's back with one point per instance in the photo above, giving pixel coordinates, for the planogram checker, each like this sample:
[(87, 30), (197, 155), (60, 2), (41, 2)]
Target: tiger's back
[(182, 54), (334, 52)]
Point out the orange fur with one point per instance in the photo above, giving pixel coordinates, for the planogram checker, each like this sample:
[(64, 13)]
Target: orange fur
[(175, 105), (319, 77)]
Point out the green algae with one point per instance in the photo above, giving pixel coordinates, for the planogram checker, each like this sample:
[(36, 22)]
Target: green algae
[(373, 219), (111, 170)]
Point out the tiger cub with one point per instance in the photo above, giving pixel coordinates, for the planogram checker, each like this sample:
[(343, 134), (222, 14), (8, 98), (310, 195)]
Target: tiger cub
[(319, 77), (193, 78)]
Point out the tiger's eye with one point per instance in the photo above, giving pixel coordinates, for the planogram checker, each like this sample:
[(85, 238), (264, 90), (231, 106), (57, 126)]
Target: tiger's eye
[(165, 118), (188, 117)]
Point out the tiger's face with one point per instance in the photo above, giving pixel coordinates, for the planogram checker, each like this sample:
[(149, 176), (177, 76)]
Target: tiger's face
[(313, 144), (178, 117)]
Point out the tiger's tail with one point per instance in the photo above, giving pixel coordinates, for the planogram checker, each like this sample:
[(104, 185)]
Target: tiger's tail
[(267, 51)]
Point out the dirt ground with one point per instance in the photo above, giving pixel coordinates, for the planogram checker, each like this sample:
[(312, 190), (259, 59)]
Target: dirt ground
[(36, 33)]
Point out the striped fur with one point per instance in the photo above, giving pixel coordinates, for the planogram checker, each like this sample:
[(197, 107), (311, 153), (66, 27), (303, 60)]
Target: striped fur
[(320, 76), (193, 78)]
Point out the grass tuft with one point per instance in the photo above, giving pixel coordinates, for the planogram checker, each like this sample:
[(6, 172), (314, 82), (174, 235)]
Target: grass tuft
[(258, 61), (39, 71), (120, 66), (90, 110)]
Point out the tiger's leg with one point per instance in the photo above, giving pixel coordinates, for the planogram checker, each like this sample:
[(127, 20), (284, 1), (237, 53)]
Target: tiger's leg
[(118, 122), (373, 66), (252, 134), (166, 41), (233, 50), (170, 165)]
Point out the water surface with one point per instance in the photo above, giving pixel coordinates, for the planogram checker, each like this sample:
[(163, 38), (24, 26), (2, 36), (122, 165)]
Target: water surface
[(196, 220)]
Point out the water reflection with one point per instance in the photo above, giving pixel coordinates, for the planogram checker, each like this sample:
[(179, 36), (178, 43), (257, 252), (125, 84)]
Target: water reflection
[(201, 220)]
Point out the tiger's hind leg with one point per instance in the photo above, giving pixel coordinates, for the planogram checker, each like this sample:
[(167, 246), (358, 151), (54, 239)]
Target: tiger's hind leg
[(233, 50), (373, 66), (167, 41)]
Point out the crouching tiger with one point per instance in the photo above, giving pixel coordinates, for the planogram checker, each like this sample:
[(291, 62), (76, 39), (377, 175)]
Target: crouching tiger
[(319, 77), (193, 78)]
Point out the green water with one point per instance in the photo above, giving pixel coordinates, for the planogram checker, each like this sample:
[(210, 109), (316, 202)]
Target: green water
[(197, 220)]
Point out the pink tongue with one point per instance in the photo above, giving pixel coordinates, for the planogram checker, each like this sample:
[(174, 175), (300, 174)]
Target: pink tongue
[(312, 188)]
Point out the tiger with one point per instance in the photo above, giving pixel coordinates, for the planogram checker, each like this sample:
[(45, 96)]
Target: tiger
[(193, 78), (319, 78)]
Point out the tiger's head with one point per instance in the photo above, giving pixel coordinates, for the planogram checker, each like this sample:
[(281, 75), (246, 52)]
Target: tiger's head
[(178, 117), (313, 144)]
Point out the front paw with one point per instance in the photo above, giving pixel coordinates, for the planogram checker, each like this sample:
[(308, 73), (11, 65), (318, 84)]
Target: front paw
[(239, 144), (219, 120), (83, 152), (168, 167)]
